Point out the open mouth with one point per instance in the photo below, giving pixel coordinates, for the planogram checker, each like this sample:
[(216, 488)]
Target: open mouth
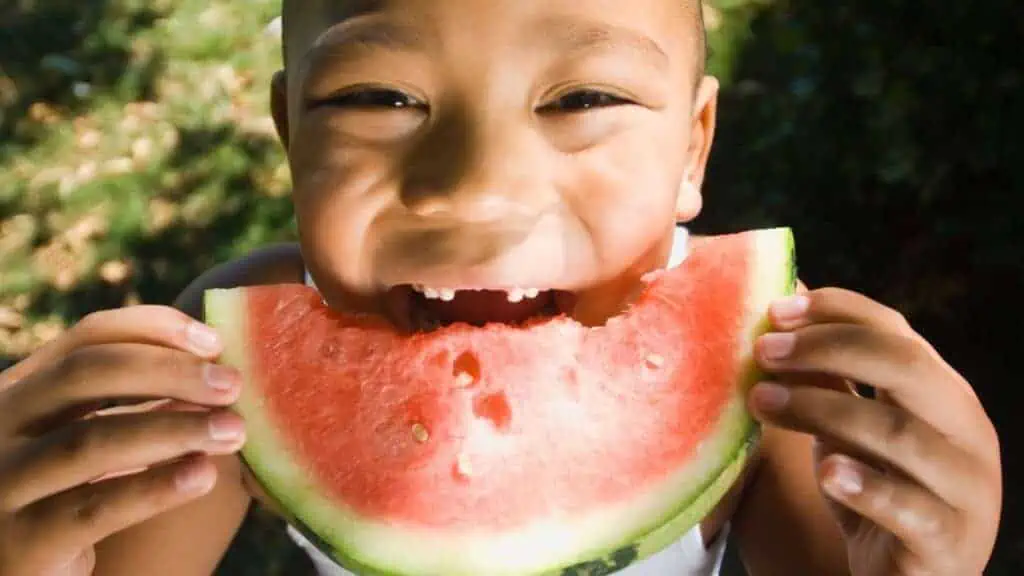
[(424, 308)]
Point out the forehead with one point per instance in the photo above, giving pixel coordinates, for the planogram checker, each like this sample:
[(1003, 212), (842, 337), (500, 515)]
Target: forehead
[(670, 26)]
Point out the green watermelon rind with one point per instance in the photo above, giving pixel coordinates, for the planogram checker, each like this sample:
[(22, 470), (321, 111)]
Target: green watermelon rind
[(336, 531)]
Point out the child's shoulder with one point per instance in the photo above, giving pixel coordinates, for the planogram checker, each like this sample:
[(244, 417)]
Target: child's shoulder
[(275, 264)]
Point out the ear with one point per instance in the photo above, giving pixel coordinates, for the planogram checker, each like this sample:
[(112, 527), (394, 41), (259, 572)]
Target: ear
[(279, 105), (702, 133)]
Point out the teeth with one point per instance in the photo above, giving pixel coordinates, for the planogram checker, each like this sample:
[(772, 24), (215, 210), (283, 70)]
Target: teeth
[(519, 294), (448, 294)]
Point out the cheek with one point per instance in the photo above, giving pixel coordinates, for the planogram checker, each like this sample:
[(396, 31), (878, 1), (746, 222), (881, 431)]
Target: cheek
[(625, 193), (338, 193)]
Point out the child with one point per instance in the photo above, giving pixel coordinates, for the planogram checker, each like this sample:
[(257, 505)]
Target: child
[(549, 144)]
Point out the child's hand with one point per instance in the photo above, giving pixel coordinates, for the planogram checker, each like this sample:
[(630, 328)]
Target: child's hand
[(913, 476), (54, 449)]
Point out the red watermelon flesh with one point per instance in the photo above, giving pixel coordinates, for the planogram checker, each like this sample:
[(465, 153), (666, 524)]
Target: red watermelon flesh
[(467, 433)]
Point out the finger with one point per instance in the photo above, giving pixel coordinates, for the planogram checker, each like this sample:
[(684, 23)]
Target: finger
[(91, 449), (887, 435), (83, 516), (117, 371), (899, 365), (920, 520), (155, 325), (848, 520), (836, 305), (841, 306)]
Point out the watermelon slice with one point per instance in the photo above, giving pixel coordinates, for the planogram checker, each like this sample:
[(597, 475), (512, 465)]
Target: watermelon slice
[(546, 448)]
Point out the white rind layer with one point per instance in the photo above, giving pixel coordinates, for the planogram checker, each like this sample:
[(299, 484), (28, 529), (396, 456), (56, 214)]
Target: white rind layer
[(651, 521)]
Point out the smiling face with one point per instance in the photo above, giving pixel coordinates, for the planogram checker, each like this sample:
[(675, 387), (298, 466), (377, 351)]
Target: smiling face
[(541, 150)]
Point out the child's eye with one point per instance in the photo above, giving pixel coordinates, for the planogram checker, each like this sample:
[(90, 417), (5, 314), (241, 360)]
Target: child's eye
[(373, 98), (583, 100)]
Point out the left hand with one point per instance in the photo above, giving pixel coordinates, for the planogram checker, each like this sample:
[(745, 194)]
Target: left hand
[(913, 476)]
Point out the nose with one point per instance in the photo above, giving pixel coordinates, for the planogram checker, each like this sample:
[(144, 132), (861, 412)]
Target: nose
[(472, 170)]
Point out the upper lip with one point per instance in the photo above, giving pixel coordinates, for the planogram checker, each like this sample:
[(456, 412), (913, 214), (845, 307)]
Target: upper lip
[(421, 287)]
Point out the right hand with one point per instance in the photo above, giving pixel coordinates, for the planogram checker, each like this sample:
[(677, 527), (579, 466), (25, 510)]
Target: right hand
[(72, 474)]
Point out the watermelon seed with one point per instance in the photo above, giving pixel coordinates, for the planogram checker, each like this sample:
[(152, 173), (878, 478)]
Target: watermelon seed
[(463, 468), (463, 380), (420, 433), (655, 361)]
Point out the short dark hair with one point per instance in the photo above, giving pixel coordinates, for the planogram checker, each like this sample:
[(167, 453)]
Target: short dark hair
[(294, 10)]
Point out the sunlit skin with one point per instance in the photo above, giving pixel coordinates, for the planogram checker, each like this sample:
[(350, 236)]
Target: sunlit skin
[(494, 144), (558, 154)]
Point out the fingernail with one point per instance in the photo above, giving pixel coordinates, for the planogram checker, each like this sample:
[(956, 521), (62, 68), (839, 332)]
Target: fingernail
[(845, 479), (226, 427), (791, 308), (770, 397), (777, 345), (221, 378), (203, 339), (195, 478)]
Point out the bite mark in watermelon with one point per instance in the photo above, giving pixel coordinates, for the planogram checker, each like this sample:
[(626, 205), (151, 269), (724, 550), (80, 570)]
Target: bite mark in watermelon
[(548, 448)]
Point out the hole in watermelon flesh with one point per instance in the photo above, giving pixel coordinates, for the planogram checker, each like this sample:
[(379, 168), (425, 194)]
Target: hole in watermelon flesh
[(495, 409), (466, 369)]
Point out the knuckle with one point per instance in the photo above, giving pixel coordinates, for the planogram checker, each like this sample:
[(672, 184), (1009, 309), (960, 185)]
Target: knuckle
[(825, 294), (81, 439), (77, 365), (73, 365), (155, 490), (88, 510), (73, 443), (896, 320), (933, 527), (909, 564), (820, 300), (177, 430), (91, 322), (180, 366), (822, 346), (920, 523), (166, 316), (901, 433), (832, 410), (910, 352), (880, 495)]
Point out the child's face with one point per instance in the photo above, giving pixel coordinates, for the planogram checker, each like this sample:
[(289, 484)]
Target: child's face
[(502, 144)]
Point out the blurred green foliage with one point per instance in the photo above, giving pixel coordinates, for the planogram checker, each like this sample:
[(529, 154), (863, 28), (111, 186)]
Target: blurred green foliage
[(136, 151)]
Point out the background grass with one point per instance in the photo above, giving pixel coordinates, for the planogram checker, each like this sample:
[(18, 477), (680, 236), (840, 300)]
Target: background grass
[(136, 151)]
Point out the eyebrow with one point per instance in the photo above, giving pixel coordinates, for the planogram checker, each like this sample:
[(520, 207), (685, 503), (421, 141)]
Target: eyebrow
[(572, 36), (566, 35), (362, 34)]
